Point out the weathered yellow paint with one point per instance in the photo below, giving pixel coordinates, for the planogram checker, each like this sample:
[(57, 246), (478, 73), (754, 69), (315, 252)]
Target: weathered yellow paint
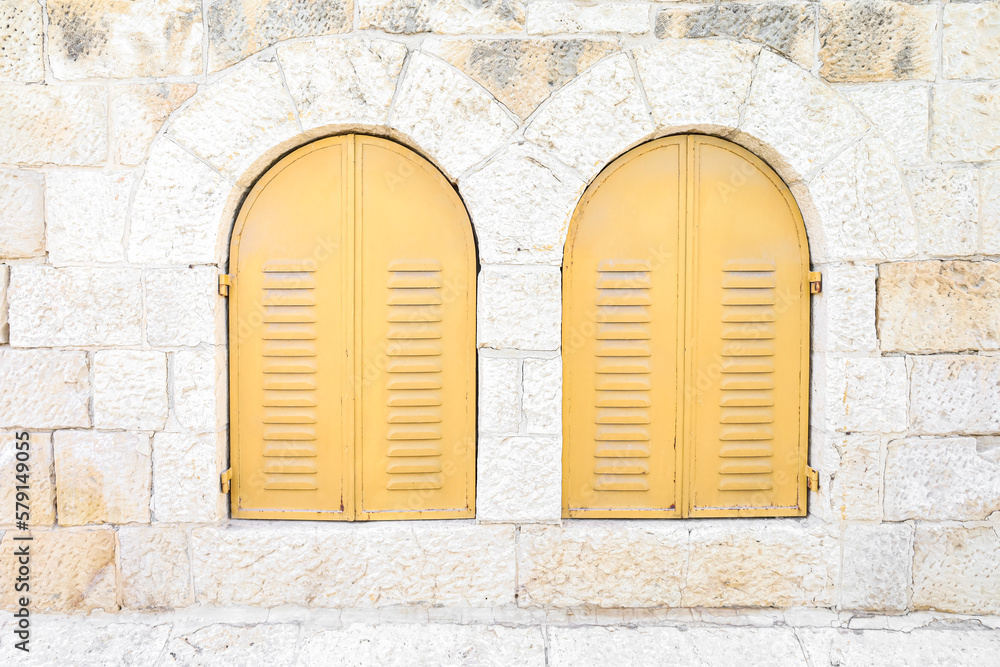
[(330, 317), (685, 338)]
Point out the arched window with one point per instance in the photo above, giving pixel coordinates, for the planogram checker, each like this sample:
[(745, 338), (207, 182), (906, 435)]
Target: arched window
[(686, 338), (352, 339)]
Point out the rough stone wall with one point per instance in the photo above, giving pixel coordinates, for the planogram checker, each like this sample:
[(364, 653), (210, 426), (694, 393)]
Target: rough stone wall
[(130, 130)]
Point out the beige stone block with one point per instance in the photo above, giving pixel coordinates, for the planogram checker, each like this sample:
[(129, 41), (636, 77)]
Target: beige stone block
[(945, 201), (862, 40), (130, 389), (41, 495), (935, 306), (381, 564), (900, 112), (239, 28), (521, 73), (955, 568), (443, 16), (155, 570), (186, 471), (714, 75), (733, 564), (876, 567), (177, 209), (786, 27), (519, 479), (183, 306), (844, 312), (519, 308), (499, 397), (595, 563), (86, 213), (546, 17), (102, 477), (965, 121), (856, 484), (248, 644), (542, 395), (21, 35), (138, 111), (22, 222), (337, 81), (970, 39), (200, 389), (78, 640), (120, 40), (989, 210), (53, 124), (44, 389), (593, 118), (520, 225), (863, 394), (941, 479), (74, 306), (449, 115), (955, 394), (71, 571)]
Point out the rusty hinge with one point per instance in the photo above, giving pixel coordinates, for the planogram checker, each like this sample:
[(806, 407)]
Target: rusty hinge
[(225, 280), (812, 479), (225, 478), (815, 282)]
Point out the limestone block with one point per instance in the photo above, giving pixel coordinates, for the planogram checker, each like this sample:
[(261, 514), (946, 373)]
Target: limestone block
[(714, 75), (965, 121), (130, 389), (95, 39), (593, 118), (380, 564), (940, 480), (519, 308), (337, 80), (138, 111), (53, 124), (22, 222), (74, 306), (926, 646), (864, 394), (71, 571), (955, 394), (155, 570), (970, 38), (862, 201), (486, 17), (788, 28), (4, 281), (946, 202), (521, 73), (256, 644), (844, 312), (939, 306), (186, 472), (436, 644), (240, 28), (499, 394), (514, 223), (78, 640), (236, 120), (200, 389), (989, 210), (102, 477), (177, 209), (900, 112), (955, 568), (519, 479), (183, 306), (449, 115), (857, 481), (44, 389), (761, 563), (862, 40), (547, 17), (594, 563), (21, 35), (542, 395), (42, 495), (802, 118), (85, 215), (876, 567)]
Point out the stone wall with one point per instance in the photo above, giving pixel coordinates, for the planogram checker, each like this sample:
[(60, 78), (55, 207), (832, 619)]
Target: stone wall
[(129, 132)]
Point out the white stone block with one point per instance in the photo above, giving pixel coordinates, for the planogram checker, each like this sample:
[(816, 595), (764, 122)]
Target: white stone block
[(955, 394), (965, 121), (102, 477), (546, 17), (844, 312), (243, 644), (4, 282), (867, 394), (989, 210), (186, 471), (519, 308), (970, 37), (200, 390), (22, 223), (41, 493), (54, 124), (138, 111), (155, 569), (946, 201), (44, 389), (542, 395), (900, 112), (950, 646), (519, 479), (22, 34), (443, 16), (85, 214), (499, 394), (876, 567), (956, 569), (130, 389), (183, 306), (856, 483), (74, 306), (76, 639)]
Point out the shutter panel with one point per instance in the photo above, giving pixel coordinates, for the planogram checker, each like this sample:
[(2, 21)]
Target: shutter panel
[(620, 338), (417, 337), (750, 315), (290, 340)]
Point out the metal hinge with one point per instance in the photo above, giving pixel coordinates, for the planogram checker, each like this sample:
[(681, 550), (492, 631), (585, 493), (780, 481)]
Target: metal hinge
[(225, 280), (225, 478), (815, 282), (812, 479)]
